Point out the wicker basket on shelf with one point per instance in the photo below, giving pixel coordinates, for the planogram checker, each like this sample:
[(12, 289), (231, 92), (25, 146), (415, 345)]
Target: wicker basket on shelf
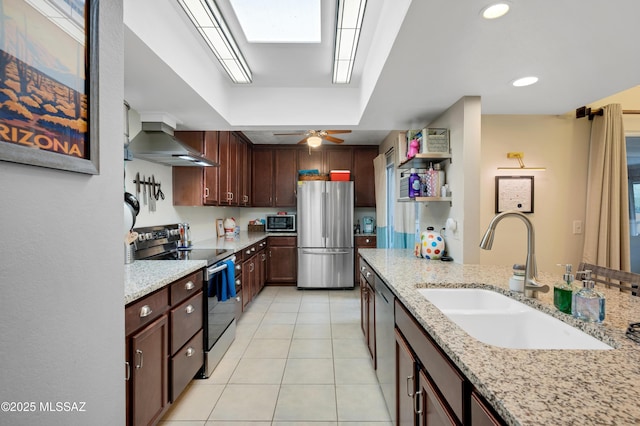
[(255, 228), (314, 177)]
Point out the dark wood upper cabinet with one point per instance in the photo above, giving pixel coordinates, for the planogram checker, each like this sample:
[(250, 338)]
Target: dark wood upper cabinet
[(338, 158), (262, 177), (197, 186), (286, 177), (309, 159), (229, 167), (363, 176)]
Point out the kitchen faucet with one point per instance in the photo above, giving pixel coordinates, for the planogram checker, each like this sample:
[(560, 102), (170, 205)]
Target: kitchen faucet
[(531, 285)]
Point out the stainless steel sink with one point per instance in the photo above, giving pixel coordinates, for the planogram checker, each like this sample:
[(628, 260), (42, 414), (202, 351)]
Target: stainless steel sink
[(498, 320)]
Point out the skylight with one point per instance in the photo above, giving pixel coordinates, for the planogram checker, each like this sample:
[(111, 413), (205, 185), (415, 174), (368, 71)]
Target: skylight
[(279, 21)]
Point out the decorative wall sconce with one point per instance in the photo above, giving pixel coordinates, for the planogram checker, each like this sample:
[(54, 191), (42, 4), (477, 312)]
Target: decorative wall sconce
[(520, 156)]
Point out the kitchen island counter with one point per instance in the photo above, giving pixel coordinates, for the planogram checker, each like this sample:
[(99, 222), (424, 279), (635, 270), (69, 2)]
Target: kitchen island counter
[(143, 277), (526, 387)]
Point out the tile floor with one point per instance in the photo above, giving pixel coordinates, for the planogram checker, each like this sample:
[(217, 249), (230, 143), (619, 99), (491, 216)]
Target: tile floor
[(299, 358)]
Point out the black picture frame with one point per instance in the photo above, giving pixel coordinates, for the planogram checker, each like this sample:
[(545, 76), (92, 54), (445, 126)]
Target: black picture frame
[(514, 193), (49, 114)]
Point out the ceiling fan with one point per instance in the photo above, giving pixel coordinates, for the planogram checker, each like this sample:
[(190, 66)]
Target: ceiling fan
[(313, 138)]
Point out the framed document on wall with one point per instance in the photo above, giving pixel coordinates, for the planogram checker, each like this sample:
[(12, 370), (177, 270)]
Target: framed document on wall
[(514, 193)]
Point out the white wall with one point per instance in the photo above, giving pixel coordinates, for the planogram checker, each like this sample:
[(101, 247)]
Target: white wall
[(559, 143), (61, 271), (463, 121)]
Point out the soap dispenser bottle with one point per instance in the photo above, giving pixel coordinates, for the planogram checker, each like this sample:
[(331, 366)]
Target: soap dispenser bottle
[(588, 304), (563, 291)]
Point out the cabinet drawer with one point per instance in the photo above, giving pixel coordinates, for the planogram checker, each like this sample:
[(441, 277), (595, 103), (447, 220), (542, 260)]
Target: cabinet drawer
[(186, 287), (186, 320), (445, 376), (282, 241), (185, 364), (365, 241), (145, 310)]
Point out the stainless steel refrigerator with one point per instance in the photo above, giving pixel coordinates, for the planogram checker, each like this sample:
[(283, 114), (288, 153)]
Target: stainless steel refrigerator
[(325, 234)]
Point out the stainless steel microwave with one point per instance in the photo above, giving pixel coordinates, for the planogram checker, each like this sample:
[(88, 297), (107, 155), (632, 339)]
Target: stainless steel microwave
[(281, 223)]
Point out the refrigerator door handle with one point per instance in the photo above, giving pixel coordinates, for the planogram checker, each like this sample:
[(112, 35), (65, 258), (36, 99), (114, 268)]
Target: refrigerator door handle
[(324, 215), (324, 253)]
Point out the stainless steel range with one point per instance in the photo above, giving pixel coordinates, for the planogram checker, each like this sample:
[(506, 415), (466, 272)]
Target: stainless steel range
[(221, 311)]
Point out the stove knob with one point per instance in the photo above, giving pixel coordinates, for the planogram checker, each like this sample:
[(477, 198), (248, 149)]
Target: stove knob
[(148, 236), (140, 237)]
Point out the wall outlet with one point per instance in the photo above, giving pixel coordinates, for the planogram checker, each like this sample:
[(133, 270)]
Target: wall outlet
[(577, 227)]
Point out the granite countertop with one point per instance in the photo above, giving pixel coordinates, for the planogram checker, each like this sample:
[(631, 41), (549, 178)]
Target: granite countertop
[(143, 277), (244, 239), (526, 387)]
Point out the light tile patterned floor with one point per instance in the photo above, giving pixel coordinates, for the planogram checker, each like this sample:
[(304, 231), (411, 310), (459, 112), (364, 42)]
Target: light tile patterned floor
[(299, 358)]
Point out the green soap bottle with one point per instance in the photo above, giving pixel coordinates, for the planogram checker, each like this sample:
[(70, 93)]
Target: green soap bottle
[(563, 291)]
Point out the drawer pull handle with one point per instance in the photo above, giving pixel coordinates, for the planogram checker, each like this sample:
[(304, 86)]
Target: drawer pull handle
[(367, 240), (416, 402), (190, 351), (238, 282), (128, 376), (145, 311), (410, 389), (253, 249), (248, 252), (189, 285), (189, 309), (362, 268), (140, 357), (368, 274)]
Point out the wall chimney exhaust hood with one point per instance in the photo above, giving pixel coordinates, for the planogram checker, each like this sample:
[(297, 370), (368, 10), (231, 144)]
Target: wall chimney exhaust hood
[(156, 142)]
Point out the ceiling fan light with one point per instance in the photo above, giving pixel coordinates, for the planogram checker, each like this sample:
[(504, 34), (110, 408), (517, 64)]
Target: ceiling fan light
[(314, 141)]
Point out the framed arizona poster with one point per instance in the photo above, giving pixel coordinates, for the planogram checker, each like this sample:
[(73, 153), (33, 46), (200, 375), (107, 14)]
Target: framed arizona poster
[(48, 83)]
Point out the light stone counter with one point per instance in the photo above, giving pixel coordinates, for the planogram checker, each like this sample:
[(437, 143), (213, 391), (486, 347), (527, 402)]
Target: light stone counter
[(527, 387), (143, 277), (243, 240)]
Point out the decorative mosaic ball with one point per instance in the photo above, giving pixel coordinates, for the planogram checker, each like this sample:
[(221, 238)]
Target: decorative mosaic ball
[(432, 245)]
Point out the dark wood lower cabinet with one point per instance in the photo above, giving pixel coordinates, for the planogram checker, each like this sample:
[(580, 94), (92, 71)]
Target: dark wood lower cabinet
[(406, 383), (430, 409), (149, 372), (282, 265), (164, 347)]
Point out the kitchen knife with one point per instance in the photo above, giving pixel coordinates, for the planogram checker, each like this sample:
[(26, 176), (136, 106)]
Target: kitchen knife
[(144, 190), (138, 185)]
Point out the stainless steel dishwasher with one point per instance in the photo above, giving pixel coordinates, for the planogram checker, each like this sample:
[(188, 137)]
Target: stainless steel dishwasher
[(385, 345)]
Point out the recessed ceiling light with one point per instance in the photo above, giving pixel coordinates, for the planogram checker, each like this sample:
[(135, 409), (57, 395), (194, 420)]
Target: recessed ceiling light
[(495, 11), (525, 81)]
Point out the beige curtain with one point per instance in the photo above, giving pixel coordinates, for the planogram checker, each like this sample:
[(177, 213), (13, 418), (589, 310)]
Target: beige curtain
[(606, 240)]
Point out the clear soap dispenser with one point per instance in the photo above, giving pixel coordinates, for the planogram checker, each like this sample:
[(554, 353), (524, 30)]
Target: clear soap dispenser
[(563, 291), (588, 304)]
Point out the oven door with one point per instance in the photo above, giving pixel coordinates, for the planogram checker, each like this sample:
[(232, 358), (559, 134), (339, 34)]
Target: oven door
[(220, 313)]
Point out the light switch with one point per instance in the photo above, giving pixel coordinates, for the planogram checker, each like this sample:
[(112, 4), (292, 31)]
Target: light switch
[(577, 227)]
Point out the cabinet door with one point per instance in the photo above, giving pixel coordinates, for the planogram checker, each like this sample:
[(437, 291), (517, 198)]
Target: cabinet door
[(282, 265), (247, 281), (309, 159), (430, 409), (228, 148), (188, 182), (338, 159), (211, 174), (405, 382), (262, 178), (286, 177), (262, 276), (149, 376), (363, 176), (245, 173)]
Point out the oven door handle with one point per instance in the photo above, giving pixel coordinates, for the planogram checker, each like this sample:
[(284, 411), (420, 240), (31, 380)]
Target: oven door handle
[(215, 269)]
